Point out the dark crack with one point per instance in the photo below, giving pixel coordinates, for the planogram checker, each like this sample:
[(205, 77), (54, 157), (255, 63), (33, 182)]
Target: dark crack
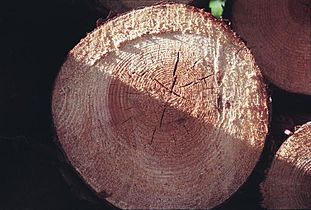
[(162, 116), (195, 63), (168, 89), (152, 137), (174, 73), (197, 81), (126, 120), (161, 84), (176, 65), (190, 83), (142, 74), (173, 84), (219, 103), (203, 78)]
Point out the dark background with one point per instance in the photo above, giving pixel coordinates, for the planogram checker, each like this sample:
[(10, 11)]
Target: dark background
[(35, 37)]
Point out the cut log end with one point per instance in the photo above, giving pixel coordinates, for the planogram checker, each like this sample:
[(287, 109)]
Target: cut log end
[(288, 181), (279, 34), (163, 107)]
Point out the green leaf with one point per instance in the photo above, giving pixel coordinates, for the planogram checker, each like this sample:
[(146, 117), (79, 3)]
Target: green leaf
[(217, 7)]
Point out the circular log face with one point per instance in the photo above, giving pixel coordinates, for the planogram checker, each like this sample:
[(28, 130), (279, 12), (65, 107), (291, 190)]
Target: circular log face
[(163, 107), (279, 34), (288, 183)]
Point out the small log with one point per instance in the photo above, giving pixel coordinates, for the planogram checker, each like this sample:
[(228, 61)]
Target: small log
[(279, 34), (288, 182), (162, 107), (119, 6)]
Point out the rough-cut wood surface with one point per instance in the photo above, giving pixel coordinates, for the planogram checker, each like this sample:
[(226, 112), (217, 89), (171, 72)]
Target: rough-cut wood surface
[(288, 182), (119, 6), (162, 107), (279, 34)]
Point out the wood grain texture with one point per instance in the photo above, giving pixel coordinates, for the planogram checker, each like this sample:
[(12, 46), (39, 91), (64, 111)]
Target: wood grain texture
[(288, 182), (162, 107), (279, 34)]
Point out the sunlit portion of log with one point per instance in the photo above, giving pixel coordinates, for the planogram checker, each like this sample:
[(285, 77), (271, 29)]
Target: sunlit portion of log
[(163, 107)]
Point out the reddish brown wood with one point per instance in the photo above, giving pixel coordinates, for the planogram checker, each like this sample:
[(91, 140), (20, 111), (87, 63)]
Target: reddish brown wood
[(279, 34), (288, 182)]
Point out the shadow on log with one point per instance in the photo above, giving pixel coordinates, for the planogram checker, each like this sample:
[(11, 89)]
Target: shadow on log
[(288, 182), (161, 112)]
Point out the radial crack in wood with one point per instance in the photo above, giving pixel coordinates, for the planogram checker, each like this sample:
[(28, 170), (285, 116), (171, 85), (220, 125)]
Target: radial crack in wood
[(288, 182), (131, 130)]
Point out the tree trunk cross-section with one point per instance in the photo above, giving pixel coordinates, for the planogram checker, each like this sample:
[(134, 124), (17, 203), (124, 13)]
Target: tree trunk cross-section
[(279, 34), (288, 182), (163, 107)]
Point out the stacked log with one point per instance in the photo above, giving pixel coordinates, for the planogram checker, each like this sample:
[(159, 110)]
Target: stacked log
[(162, 107), (279, 34), (288, 182)]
